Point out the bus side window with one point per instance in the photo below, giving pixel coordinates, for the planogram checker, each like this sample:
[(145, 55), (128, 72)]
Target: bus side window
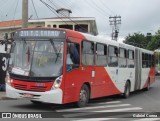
[(122, 58), (87, 53), (116, 51), (112, 56), (130, 61), (101, 54), (73, 56), (145, 60)]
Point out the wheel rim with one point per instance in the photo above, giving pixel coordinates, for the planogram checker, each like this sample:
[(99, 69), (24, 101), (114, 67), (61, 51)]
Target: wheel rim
[(83, 96)]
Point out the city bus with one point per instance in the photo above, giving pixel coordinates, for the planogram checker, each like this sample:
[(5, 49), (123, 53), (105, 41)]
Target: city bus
[(60, 66)]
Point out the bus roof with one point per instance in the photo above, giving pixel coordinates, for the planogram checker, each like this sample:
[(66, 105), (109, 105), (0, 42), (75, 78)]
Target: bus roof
[(85, 36)]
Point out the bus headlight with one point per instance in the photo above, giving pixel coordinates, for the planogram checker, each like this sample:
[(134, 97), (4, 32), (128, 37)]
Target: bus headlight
[(8, 80), (57, 83)]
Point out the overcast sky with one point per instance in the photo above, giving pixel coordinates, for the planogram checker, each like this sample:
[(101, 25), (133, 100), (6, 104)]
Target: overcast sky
[(137, 15)]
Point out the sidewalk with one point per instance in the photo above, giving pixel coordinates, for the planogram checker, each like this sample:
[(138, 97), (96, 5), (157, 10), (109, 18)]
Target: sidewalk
[(2, 95)]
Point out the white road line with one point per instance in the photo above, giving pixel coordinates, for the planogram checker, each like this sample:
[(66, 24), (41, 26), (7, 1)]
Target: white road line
[(95, 107), (111, 102), (148, 119), (96, 119), (119, 110)]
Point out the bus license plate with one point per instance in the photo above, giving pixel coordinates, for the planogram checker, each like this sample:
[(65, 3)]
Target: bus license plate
[(26, 95)]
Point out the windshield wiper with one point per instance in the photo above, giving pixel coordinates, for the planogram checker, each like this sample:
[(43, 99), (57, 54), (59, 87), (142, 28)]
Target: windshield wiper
[(58, 55), (55, 49)]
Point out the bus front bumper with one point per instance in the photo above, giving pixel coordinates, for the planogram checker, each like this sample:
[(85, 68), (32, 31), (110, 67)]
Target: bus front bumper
[(52, 96)]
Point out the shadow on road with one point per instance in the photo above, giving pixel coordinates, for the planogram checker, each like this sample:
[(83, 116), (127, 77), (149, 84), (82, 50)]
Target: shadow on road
[(53, 107)]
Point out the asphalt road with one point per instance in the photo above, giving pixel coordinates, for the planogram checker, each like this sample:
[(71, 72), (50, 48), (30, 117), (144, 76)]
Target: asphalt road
[(140, 103)]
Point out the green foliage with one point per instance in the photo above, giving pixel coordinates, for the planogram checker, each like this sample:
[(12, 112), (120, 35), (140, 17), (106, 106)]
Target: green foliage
[(146, 42), (137, 39), (142, 41), (155, 42)]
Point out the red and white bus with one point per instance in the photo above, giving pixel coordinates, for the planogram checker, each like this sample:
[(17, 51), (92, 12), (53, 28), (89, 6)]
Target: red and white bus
[(63, 66)]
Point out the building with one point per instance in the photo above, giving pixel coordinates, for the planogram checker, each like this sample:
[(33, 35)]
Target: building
[(82, 24)]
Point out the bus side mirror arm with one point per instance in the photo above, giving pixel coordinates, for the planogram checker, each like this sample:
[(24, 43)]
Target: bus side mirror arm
[(6, 46)]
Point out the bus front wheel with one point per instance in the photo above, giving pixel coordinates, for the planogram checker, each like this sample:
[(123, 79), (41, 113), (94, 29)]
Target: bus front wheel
[(83, 96), (36, 102)]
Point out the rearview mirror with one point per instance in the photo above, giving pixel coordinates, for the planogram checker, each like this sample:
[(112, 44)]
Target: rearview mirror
[(6, 46)]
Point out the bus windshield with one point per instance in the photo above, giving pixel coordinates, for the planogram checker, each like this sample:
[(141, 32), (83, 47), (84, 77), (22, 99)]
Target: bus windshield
[(37, 58)]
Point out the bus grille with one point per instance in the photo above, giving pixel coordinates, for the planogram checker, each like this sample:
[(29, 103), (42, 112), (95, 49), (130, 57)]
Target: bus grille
[(38, 88), (20, 86), (30, 88)]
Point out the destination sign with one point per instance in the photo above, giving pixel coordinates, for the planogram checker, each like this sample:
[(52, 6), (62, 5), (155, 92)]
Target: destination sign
[(40, 34)]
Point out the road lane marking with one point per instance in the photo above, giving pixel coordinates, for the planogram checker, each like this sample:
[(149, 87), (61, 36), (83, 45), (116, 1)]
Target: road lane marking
[(119, 110), (102, 111), (96, 119), (95, 107), (111, 102)]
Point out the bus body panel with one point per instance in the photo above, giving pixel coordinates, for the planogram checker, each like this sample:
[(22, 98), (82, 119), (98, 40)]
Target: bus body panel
[(52, 96), (103, 86), (148, 74), (102, 80), (116, 88)]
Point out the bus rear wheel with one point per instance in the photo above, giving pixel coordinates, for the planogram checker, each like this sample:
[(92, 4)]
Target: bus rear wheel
[(83, 96), (127, 90)]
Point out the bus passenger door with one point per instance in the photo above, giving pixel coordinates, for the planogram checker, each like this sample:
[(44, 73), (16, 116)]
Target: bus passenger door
[(72, 72), (88, 69)]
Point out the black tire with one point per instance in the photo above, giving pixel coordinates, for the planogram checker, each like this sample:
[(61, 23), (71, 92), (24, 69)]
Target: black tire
[(36, 102), (127, 90), (148, 86), (83, 96)]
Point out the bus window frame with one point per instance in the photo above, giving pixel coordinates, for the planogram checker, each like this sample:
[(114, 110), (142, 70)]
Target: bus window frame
[(78, 67), (115, 47), (88, 53), (133, 52), (125, 57), (105, 45)]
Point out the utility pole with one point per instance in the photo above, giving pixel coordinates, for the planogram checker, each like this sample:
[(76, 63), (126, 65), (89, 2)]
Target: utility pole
[(114, 22), (24, 13)]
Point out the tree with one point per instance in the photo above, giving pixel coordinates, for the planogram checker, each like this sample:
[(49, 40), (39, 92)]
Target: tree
[(137, 39), (155, 41)]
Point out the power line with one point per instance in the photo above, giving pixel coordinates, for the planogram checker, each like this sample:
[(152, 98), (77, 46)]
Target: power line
[(100, 8), (91, 4), (66, 16), (104, 4), (15, 12), (49, 7), (68, 5), (114, 21), (35, 9)]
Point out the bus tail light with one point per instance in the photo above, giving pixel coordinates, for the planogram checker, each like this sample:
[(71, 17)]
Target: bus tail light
[(57, 83)]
